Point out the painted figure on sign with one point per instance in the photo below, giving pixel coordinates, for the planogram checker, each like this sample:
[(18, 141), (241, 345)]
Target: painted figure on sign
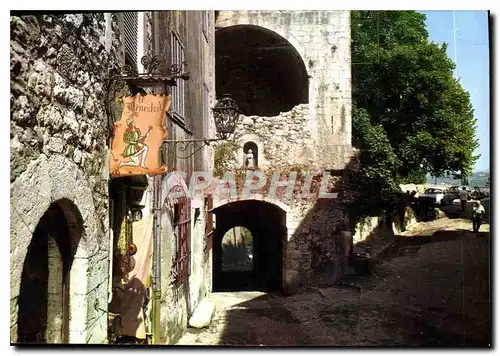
[(136, 148), (249, 159)]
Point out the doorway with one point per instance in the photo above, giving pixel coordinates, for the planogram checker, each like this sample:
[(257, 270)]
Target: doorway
[(44, 299), (248, 246)]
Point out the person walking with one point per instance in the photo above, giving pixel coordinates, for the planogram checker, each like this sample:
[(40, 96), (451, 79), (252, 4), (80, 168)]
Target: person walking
[(477, 215), (463, 196)]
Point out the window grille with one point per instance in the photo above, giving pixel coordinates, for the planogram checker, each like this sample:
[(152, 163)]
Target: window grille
[(182, 232), (130, 38), (209, 226), (177, 57)]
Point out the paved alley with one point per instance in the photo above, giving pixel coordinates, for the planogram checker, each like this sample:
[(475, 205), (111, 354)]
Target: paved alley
[(431, 289), (250, 319)]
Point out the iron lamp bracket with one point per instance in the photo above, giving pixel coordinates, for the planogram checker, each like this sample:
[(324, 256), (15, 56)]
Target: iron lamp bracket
[(182, 148)]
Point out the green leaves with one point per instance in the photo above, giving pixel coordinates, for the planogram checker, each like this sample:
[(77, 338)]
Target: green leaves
[(411, 116), (224, 157), (378, 159)]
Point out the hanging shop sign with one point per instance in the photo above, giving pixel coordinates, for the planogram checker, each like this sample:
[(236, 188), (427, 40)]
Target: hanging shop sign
[(138, 136)]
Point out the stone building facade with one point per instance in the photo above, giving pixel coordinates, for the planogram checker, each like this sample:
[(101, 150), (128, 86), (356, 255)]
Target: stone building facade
[(59, 186), (289, 73), (184, 221), (64, 101)]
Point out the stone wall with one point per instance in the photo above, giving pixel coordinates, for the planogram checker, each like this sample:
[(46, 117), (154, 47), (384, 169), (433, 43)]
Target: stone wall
[(314, 238), (178, 302), (315, 242), (322, 39), (59, 140), (376, 228), (283, 141), (310, 137)]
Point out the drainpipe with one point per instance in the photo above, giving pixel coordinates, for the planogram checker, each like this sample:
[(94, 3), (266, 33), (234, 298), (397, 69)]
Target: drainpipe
[(156, 285)]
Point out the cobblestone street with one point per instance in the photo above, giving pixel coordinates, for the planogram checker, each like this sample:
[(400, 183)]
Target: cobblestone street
[(431, 289)]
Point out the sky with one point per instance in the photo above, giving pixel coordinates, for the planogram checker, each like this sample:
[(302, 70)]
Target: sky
[(472, 58)]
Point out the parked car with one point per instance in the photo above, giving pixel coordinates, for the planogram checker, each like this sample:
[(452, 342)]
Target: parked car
[(435, 194), (452, 193), (480, 193)]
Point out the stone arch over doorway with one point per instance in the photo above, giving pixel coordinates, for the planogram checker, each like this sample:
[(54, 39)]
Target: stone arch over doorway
[(267, 224), (261, 69), (55, 188), (45, 303)]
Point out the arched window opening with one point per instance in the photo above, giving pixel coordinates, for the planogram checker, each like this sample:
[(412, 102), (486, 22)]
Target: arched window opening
[(262, 70), (250, 155), (237, 250)]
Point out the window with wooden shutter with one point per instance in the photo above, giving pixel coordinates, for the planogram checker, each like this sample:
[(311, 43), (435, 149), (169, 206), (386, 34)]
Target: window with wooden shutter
[(130, 38), (177, 57)]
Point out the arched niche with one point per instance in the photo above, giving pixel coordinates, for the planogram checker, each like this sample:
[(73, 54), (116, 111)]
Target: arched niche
[(250, 155)]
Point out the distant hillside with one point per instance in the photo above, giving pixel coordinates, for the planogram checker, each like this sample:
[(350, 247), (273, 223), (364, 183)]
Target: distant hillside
[(479, 179)]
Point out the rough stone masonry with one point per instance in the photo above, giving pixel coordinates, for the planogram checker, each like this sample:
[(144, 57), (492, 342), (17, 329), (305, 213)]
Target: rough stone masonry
[(312, 136), (59, 136)]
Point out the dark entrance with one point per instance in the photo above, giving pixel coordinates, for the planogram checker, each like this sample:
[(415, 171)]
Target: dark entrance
[(262, 70), (43, 315), (266, 224)]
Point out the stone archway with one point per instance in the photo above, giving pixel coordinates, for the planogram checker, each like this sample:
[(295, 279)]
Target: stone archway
[(261, 69), (57, 183), (267, 224), (45, 303)]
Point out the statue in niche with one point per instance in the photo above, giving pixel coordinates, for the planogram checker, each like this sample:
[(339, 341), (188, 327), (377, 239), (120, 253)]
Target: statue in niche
[(249, 161)]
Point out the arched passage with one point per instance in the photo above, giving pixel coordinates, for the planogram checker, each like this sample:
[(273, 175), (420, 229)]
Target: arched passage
[(237, 250), (262, 70), (45, 297), (267, 225)]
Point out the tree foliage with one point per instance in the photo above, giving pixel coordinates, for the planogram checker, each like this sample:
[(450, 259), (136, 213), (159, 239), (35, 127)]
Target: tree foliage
[(411, 116), (375, 148), (224, 157)]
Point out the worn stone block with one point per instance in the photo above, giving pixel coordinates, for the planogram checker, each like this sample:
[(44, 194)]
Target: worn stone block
[(292, 281), (13, 333), (293, 254), (98, 332), (292, 264), (203, 314), (98, 272), (78, 313), (14, 309)]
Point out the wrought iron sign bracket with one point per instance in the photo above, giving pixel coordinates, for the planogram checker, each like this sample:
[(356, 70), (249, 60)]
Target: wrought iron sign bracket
[(151, 76), (226, 115), (183, 145)]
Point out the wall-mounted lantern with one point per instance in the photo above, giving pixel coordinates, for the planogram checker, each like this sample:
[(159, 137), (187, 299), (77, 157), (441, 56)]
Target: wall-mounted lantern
[(226, 116)]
